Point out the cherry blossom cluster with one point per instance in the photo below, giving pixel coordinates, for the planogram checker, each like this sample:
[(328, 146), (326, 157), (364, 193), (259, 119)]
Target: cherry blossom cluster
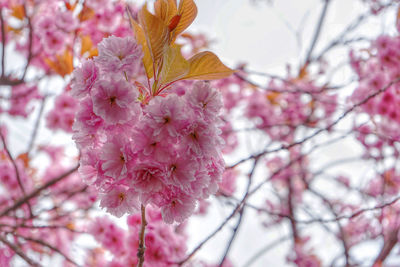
[(63, 114), (378, 89), (50, 34), (165, 244), (46, 222), (163, 150), (21, 100), (376, 73), (283, 107)]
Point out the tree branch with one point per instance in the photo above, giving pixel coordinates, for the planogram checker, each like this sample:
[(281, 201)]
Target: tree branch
[(36, 192), (19, 252), (16, 171), (142, 245), (317, 32), (3, 39)]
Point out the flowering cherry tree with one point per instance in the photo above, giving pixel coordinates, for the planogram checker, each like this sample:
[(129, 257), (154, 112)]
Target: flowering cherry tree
[(156, 132)]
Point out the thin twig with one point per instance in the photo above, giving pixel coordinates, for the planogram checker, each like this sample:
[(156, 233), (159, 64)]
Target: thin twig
[(317, 32), (342, 234), (36, 192), (30, 42), (388, 246), (321, 130), (3, 40), (36, 127), (200, 245), (17, 174), (265, 249), (45, 244), (222, 225), (241, 214), (19, 252)]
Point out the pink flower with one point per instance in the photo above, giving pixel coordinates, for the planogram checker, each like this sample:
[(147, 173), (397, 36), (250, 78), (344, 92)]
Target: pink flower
[(156, 252), (87, 126), (215, 169), (120, 200), (99, 226), (87, 169), (177, 207), (53, 119), (67, 120), (8, 177), (201, 139), (230, 138), (148, 177), (6, 256), (119, 55), (45, 23), (204, 100), (115, 101), (65, 101), (181, 171), (166, 116), (114, 240), (114, 156), (53, 42), (228, 184), (21, 96), (66, 21), (84, 78)]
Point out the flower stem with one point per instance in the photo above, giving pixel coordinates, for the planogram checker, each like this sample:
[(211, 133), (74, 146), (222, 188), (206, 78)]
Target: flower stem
[(142, 247)]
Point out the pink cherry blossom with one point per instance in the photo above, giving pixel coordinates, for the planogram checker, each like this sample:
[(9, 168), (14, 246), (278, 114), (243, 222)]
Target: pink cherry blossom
[(205, 100), (119, 55), (177, 206), (114, 156), (148, 177), (119, 200), (114, 101), (84, 78), (166, 116)]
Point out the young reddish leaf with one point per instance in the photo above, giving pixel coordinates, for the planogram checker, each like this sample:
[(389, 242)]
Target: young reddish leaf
[(303, 73), (141, 39), (161, 9), (18, 11), (86, 13), (272, 97), (175, 66), (141, 88), (16, 31), (71, 7), (165, 10), (174, 22), (24, 157), (188, 12), (207, 66), (63, 64), (86, 44), (156, 34)]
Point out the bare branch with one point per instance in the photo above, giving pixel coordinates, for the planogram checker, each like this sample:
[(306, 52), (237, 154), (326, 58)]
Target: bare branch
[(3, 39), (321, 130), (36, 192), (19, 251), (317, 32), (17, 174)]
